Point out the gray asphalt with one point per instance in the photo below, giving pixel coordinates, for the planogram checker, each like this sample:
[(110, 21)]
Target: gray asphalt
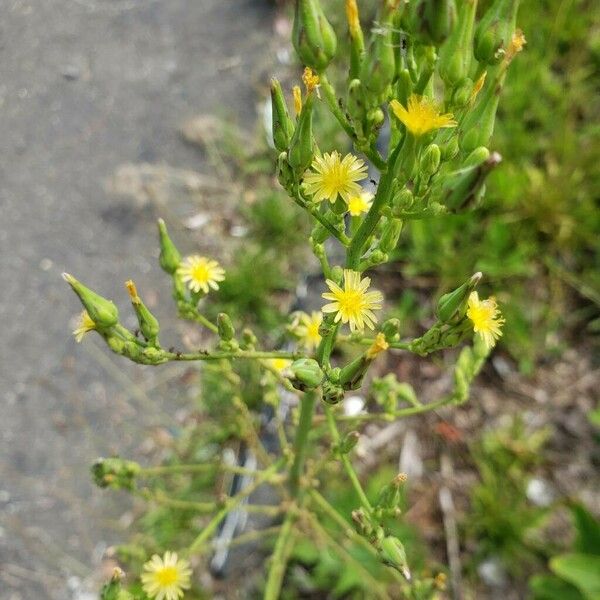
[(85, 86)]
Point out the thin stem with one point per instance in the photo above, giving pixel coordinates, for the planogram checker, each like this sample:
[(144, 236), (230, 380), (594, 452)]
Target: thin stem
[(252, 436), (335, 435), (198, 468), (232, 503), (202, 320), (280, 557), (234, 354), (307, 409)]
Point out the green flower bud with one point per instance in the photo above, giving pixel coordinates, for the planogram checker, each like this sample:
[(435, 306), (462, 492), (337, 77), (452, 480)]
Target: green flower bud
[(391, 329), (307, 374), (430, 160), (450, 148), (102, 311), (115, 473), (462, 93), (402, 200), (332, 392), (477, 157), (249, 340), (390, 496), (169, 258), (431, 20), (356, 106), (494, 31), (456, 53), (301, 152), (225, 327), (349, 442), (283, 128), (312, 35), (148, 322), (337, 274), (454, 303), (390, 236), (392, 553)]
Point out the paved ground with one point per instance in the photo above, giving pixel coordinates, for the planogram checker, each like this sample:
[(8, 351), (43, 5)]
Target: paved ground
[(86, 85)]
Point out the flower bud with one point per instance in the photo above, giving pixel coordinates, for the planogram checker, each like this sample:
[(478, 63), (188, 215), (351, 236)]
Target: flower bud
[(462, 93), (478, 156), (225, 327), (392, 553), (431, 20), (169, 258), (494, 31), (307, 374), (356, 106), (456, 53), (283, 128), (102, 311), (349, 442), (357, 43), (453, 303), (332, 392), (402, 200), (391, 329), (300, 154), (430, 160), (312, 35), (249, 339), (391, 235), (148, 322), (115, 473), (390, 496)]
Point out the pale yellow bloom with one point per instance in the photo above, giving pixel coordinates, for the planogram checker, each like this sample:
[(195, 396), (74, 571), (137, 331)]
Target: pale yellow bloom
[(334, 176), (166, 578), (516, 45), (486, 318), (308, 329), (200, 273), (352, 303), (359, 204), (84, 325), (310, 79), (421, 115), (477, 87), (378, 346), (279, 364)]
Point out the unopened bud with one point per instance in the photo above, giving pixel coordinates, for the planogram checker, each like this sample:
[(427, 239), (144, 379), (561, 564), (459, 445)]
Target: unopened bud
[(103, 312), (391, 329), (392, 553), (307, 374), (283, 128), (430, 160), (115, 473), (453, 303), (148, 322), (225, 327), (301, 145), (494, 31), (169, 258), (312, 35), (349, 442)]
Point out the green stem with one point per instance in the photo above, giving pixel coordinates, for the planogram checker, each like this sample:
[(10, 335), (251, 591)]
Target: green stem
[(382, 197), (232, 503), (280, 557), (199, 468), (307, 409), (335, 435), (239, 354), (399, 414)]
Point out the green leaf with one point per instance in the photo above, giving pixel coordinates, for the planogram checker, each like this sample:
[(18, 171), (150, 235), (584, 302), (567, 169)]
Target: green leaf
[(588, 530), (550, 587), (582, 570)]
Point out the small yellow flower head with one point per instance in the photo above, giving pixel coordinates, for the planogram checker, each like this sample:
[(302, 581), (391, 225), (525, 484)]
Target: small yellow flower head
[(516, 45), (200, 273), (377, 347), (297, 92), (311, 80), (359, 204), (84, 325), (352, 303), (308, 329), (422, 115), (334, 176), (486, 318), (279, 364), (477, 87), (166, 578)]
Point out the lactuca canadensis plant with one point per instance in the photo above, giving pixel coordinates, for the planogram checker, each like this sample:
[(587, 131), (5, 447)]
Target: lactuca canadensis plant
[(431, 76)]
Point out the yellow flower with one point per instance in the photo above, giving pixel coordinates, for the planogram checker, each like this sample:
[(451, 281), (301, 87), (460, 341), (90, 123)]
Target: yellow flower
[(422, 115), (359, 204), (297, 99), (279, 364), (310, 79), (333, 176), (84, 325), (166, 578), (308, 329), (200, 273), (486, 318), (378, 346), (353, 304)]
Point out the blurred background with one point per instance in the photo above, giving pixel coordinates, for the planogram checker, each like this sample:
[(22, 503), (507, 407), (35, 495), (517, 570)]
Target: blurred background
[(117, 112)]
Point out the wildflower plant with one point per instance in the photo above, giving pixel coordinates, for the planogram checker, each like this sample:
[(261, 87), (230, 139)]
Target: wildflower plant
[(429, 75)]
